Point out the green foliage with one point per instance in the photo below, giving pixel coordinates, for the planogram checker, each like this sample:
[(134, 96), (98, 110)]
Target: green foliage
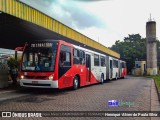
[(158, 53), (13, 62), (157, 81), (131, 49)]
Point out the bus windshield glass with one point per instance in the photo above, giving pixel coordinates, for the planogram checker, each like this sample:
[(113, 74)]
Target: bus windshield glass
[(39, 57)]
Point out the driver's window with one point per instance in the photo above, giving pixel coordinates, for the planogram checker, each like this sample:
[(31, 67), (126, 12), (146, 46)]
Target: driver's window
[(65, 56)]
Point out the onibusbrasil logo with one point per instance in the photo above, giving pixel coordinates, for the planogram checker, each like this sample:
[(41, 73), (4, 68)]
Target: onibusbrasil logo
[(119, 103)]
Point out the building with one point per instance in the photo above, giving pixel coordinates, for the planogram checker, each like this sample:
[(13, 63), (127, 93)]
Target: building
[(140, 67)]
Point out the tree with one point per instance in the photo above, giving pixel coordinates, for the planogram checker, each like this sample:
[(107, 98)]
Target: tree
[(158, 53), (131, 49), (13, 62)]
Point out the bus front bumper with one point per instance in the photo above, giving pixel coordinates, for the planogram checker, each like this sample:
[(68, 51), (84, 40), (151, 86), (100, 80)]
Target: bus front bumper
[(39, 83)]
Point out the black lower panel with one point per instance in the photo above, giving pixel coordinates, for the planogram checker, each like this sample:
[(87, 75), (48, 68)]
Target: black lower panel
[(36, 84), (62, 71)]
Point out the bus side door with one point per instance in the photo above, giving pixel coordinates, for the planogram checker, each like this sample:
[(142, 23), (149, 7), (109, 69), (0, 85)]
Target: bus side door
[(88, 66)]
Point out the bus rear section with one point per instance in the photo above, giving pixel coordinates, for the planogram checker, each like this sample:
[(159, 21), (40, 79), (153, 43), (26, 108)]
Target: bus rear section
[(123, 69), (114, 72)]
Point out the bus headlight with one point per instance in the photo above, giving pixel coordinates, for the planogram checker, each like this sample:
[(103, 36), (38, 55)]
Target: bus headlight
[(51, 77), (22, 77)]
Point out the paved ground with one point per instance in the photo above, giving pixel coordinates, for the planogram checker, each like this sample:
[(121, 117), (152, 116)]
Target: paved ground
[(136, 90)]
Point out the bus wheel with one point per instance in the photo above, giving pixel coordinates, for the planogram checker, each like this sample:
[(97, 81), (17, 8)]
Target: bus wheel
[(75, 83), (102, 79)]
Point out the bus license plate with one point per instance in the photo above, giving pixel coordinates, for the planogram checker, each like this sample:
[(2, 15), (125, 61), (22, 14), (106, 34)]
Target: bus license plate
[(35, 82)]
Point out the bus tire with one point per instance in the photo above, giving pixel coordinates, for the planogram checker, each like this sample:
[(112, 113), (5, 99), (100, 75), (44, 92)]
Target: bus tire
[(75, 83), (102, 78)]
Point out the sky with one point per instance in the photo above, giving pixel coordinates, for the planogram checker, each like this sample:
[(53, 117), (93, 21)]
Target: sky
[(104, 21)]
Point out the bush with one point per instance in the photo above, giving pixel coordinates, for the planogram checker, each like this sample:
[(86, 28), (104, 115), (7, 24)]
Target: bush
[(13, 62)]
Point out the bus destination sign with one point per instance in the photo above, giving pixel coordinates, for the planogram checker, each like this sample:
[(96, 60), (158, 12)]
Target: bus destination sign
[(41, 45)]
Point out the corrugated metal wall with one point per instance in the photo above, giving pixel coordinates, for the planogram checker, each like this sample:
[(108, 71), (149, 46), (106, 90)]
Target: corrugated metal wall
[(23, 11)]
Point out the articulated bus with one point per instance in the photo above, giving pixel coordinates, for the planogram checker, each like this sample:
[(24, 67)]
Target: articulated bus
[(58, 64)]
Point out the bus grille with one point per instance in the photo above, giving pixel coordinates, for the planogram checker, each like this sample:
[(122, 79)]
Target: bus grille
[(35, 77), (37, 84)]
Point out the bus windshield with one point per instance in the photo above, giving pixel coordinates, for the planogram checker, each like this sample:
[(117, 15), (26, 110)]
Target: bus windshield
[(40, 59)]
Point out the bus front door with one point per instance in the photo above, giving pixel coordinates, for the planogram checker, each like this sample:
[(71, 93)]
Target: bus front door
[(88, 66)]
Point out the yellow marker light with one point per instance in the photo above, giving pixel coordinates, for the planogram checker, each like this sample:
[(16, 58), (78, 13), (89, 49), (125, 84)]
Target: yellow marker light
[(51, 77), (22, 77)]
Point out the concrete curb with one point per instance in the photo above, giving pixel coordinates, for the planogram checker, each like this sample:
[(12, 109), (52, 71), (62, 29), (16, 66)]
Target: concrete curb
[(10, 94), (12, 97), (158, 92), (7, 91)]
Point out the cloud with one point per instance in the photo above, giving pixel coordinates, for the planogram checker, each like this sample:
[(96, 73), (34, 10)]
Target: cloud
[(82, 18), (91, 0), (69, 12)]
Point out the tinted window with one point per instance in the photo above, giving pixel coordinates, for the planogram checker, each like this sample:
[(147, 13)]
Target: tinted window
[(123, 65), (115, 63), (111, 64), (103, 61), (65, 56), (76, 56), (39, 57), (82, 57), (96, 60)]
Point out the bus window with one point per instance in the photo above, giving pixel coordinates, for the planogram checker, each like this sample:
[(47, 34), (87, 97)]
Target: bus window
[(65, 56), (124, 65), (96, 60), (76, 56), (115, 63), (103, 61), (110, 64), (38, 59), (62, 58), (82, 57)]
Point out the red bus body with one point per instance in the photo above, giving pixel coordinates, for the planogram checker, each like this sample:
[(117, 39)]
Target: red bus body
[(123, 69), (80, 67)]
